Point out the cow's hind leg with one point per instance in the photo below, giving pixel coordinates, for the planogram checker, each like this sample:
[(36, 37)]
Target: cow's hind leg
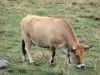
[(28, 44), (27, 47), (23, 51), (52, 55)]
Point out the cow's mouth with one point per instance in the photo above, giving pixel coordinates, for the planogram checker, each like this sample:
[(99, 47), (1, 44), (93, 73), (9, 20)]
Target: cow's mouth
[(81, 66)]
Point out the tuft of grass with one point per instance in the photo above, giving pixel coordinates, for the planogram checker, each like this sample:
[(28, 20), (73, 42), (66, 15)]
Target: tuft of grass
[(2, 72), (23, 68)]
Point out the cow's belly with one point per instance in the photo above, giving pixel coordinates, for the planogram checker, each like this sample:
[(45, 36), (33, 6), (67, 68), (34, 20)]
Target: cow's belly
[(41, 38), (41, 35), (40, 43)]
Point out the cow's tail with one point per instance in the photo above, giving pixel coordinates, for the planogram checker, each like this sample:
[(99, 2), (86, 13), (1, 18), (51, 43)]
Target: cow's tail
[(23, 48)]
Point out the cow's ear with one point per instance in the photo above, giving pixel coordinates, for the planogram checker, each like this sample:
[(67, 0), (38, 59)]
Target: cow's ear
[(88, 47)]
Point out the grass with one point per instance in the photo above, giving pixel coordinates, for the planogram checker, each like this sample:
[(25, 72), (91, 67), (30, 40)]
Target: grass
[(84, 16)]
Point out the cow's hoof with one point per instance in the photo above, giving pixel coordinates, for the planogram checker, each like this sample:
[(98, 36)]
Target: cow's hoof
[(36, 64), (52, 65), (69, 65), (10, 70)]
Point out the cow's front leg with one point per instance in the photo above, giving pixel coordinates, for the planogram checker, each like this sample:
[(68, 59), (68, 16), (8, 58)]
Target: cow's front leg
[(68, 58), (52, 56)]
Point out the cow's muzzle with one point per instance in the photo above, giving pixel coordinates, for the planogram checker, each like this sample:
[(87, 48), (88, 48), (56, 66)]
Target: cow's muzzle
[(81, 66)]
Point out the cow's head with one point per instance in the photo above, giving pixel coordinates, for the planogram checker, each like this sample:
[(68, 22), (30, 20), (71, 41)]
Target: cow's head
[(79, 53)]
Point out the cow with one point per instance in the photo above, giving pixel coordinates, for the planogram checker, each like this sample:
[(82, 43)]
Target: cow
[(52, 33)]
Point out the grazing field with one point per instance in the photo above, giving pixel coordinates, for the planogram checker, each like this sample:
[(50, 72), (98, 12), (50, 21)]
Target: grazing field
[(84, 16)]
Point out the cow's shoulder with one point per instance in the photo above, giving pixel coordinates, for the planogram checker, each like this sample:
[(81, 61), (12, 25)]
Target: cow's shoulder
[(63, 22)]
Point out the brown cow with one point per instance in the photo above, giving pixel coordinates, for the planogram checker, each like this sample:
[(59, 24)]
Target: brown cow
[(52, 33)]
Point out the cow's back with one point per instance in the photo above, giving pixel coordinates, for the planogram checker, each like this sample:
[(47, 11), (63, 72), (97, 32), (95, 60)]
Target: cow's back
[(46, 30), (43, 31), (29, 21)]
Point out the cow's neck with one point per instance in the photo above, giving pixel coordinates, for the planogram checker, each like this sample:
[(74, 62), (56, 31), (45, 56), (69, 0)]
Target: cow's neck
[(74, 41)]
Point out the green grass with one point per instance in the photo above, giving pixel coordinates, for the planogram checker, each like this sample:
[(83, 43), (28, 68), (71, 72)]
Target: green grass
[(84, 17)]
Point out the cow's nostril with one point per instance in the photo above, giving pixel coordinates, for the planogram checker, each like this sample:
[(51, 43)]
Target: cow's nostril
[(82, 66)]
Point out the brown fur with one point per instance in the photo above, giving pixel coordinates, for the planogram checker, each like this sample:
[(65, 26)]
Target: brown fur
[(49, 32)]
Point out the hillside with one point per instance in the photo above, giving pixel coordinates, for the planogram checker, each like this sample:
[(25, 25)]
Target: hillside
[(84, 15)]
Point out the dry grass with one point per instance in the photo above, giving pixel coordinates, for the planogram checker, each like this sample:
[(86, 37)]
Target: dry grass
[(23, 68), (22, 4), (16, 5), (40, 55), (69, 1), (3, 19), (2, 73)]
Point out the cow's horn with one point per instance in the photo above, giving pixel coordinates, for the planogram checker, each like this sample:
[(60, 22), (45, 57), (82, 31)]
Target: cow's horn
[(89, 46)]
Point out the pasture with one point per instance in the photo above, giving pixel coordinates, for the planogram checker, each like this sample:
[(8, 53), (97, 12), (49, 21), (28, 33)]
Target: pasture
[(84, 16)]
